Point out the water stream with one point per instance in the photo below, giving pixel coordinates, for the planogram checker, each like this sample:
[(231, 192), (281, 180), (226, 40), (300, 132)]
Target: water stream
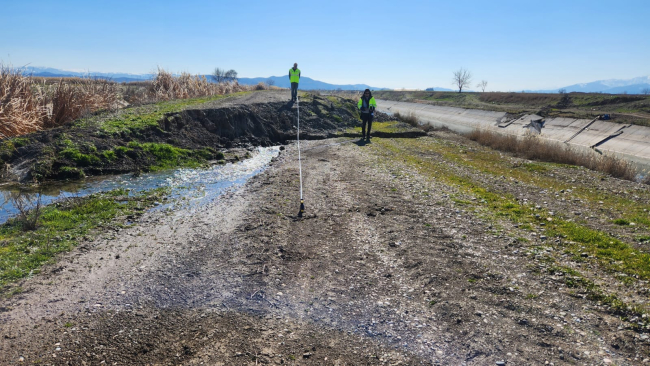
[(196, 186)]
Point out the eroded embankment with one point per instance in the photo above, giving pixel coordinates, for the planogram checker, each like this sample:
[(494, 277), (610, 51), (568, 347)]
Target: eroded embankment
[(135, 141)]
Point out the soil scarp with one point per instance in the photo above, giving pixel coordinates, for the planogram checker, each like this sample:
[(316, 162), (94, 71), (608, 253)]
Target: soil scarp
[(185, 135)]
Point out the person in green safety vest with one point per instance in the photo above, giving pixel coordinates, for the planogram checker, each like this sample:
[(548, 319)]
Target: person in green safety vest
[(294, 78), (367, 106)]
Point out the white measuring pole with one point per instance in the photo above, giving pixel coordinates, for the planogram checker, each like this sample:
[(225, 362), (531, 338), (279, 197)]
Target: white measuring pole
[(298, 138)]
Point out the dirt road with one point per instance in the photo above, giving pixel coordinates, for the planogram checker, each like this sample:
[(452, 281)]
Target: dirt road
[(386, 268)]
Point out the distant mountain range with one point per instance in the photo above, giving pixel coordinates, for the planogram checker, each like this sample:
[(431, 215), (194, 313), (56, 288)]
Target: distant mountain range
[(612, 86), (439, 89), (118, 77), (306, 83)]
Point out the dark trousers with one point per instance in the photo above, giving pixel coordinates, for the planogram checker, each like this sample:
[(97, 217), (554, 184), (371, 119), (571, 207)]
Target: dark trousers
[(294, 91), (366, 118)]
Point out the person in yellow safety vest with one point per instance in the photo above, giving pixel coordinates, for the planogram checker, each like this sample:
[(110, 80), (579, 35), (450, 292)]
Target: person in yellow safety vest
[(294, 78), (367, 106)]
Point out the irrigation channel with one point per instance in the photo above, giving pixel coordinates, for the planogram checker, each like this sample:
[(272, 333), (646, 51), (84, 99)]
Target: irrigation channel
[(195, 186), (629, 142)]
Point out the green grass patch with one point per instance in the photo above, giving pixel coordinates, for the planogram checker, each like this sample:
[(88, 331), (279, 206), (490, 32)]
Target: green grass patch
[(79, 158), (20, 142), (60, 228), (109, 155), (623, 261), (621, 222), (535, 167), (385, 127), (611, 253), (9, 146), (573, 279), (68, 172), (168, 156), (139, 118)]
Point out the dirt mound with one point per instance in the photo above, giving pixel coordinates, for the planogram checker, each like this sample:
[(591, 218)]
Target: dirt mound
[(189, 137)]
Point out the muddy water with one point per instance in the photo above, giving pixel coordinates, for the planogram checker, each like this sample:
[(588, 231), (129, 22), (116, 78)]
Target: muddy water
[(190, 187)]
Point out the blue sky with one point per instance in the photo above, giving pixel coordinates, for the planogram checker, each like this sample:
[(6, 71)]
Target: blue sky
[(514, 45)]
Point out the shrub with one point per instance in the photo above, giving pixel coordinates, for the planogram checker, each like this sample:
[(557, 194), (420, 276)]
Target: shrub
[(533, 148), (409, 119), (29, 206)]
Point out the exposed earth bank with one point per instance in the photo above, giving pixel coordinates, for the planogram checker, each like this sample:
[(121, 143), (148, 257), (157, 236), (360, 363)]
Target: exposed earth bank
[(167, 134), (389, 266)]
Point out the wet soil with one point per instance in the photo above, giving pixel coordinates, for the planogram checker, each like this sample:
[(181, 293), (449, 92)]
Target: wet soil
[(375, 273)]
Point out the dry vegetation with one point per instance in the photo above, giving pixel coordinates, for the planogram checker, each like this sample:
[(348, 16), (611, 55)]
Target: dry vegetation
[(22, 107), (29, 104), (409, 119), (521, 98), (532, 148)]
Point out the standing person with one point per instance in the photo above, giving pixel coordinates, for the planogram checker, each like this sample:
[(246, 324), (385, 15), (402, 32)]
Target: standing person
[(294, 78), (367, 106)]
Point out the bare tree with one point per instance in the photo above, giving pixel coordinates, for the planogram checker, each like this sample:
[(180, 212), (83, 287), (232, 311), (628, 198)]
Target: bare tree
[(645, 91), (562, 91), (462, 78), (223, 76), (482, 85), (231, 75), (270, 82), (218, 75)]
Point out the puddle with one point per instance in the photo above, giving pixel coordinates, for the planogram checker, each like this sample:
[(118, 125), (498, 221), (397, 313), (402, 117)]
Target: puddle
[(194, 186)]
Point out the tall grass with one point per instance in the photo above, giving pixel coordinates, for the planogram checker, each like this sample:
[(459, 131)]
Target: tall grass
[(533, 148), (166, 86), (29, 104), (69, 100), (22, 108)]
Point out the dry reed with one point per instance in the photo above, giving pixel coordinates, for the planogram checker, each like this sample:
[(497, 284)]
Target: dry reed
[(21, 105), (29, 104), (70, 100), (408, 119), (166, 86), (533, 148)]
